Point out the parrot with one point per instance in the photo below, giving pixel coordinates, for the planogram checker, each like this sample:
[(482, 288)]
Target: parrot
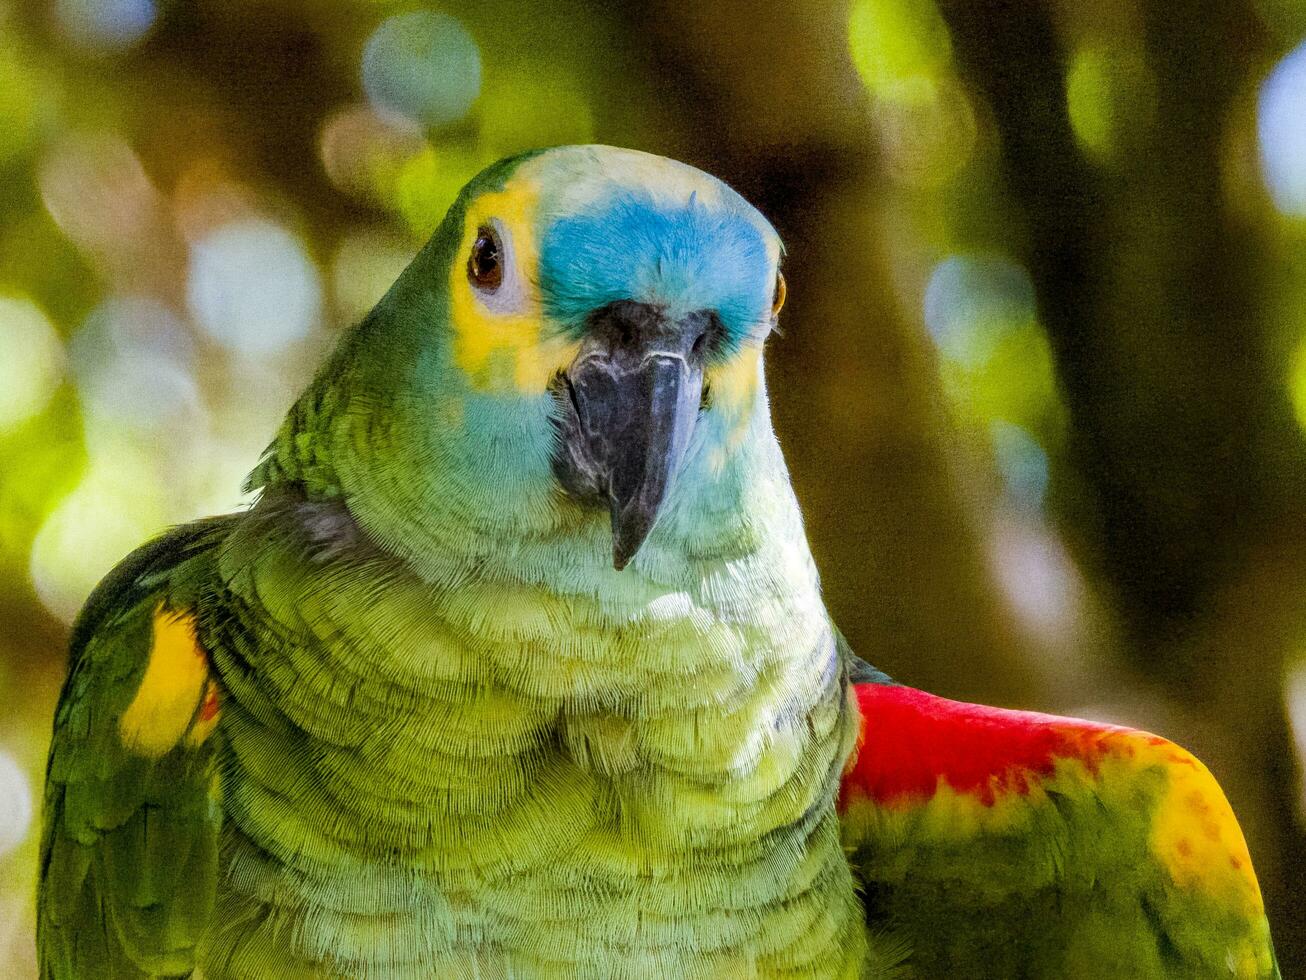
[(517, 665)]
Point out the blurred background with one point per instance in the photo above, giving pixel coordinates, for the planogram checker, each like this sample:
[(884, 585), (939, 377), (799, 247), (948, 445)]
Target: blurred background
[(1041, 379)]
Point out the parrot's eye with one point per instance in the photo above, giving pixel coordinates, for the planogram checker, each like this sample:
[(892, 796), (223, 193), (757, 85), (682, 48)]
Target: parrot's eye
[(781, 290), (485, 264)]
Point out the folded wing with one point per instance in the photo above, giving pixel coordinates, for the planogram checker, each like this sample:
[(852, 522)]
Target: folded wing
[(1014, 844), (129, 845)]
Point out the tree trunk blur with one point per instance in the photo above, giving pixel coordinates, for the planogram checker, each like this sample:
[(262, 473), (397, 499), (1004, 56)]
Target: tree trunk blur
[(1148, 284)]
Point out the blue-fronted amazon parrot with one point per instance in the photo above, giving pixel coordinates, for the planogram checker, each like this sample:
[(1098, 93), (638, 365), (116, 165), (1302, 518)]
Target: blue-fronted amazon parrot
[(518, 667)]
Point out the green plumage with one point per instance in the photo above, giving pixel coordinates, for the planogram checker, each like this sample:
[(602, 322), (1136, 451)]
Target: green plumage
[(129, 859), (404, 718)]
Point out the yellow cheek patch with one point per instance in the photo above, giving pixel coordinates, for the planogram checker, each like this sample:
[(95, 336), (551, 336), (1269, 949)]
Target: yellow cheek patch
[(1195, 833), (735, 385), (505, 349), (175, 690)]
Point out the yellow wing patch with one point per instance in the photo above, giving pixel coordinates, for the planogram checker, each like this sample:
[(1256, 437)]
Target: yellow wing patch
[(1195, 833), (505, 350), (737, 380), (176, 695)]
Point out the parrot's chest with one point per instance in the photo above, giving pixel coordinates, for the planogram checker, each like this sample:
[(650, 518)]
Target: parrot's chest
[(467, 817)]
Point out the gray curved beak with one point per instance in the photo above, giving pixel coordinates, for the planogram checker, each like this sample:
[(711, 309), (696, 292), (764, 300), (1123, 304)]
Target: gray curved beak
[(631, 397)]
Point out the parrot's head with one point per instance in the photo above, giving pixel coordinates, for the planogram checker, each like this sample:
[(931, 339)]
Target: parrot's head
[(584, 331)]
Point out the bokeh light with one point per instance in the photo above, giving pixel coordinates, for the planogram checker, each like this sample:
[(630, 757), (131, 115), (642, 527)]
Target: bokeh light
[(132, 359), (387, 161), (1023, 464), (252, 286), (117, 507), (427, 184), (927, 138), (363, 152), (1038, 579), (31, 362), (364, 266), (422, 65), (15, 804), (96, 189), (29, 100), (898, 46), (1281, 129), (1110, 97), (924, 116), (98, 193), (1297, 382), (206, 196), (1294, 696), (996, 366), (972, 302), (104, 24)]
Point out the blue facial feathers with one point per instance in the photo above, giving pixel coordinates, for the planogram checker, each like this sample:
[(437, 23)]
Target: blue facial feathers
[(684, 256)]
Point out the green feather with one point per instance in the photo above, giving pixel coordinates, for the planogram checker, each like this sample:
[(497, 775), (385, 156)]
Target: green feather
[(128, 860), (454, 741)]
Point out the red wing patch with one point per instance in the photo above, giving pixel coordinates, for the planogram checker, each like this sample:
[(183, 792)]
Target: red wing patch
[(911, 741)]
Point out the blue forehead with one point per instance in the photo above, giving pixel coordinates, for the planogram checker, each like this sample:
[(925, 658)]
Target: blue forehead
[(686, 257)]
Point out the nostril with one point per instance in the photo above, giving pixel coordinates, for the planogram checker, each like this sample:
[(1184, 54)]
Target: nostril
[(708, 342), (571, 394)]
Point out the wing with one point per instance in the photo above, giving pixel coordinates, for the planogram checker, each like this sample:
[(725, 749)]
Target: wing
[(1014, 844), (129, 842)]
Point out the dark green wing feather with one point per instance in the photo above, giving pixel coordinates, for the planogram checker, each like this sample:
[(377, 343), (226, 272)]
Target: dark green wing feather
[(129, 842), (1004, 843)]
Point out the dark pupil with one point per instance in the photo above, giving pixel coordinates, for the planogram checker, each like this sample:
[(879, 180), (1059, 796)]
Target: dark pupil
[(486, 257)]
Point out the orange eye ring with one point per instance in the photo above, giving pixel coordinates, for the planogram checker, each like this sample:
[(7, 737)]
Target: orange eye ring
[(485, 264), (781, 291)]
